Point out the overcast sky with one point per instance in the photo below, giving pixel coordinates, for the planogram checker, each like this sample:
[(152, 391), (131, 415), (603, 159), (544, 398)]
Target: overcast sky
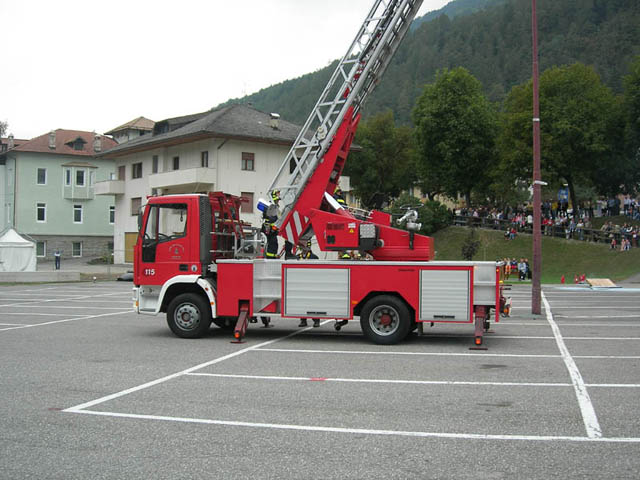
[(85, 65)]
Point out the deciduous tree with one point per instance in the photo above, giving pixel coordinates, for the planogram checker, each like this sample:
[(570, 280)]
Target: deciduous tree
[(456, 128), (384, 166)]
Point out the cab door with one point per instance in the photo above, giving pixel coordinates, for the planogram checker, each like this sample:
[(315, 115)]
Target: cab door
[(167, 247)]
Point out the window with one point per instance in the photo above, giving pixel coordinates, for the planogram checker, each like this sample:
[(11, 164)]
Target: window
[(67, 176), (136, 203), (76, 249), (41, 212), (42, 176), (121, 170), (204, 159), (41, 249), (112, 214), (77, 214), (176, 163), (247, 202), (154, 164), (80, 178), (248, 161), (136, 170), (165, 223)]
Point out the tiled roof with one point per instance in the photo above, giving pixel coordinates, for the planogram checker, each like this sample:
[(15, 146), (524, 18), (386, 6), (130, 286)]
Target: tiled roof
[(41, 143), (140, 123), (233, 121)]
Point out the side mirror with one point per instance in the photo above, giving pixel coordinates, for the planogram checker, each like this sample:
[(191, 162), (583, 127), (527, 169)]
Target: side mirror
[(139, 221)]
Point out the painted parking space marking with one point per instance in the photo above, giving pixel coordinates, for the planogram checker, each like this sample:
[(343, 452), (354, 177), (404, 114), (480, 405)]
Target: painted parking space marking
[(361, 431), (589, 417), (383, 381), (441, 354), (85, 317), (593, 431)]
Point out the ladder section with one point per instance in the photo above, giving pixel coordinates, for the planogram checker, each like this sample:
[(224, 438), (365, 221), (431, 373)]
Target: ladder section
[(353, 79)]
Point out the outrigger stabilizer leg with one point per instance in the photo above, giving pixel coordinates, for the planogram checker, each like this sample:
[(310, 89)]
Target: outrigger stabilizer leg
[(241, 324), (480, 323)]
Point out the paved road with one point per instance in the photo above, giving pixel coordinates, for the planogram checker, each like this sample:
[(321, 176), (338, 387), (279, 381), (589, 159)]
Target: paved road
[(90, 390)]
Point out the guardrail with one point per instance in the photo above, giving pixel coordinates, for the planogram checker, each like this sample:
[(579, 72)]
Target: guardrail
[(558, 231)]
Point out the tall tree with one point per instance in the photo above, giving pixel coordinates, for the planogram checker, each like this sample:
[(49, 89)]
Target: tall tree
[(577, 117), (383, 168), (631, 104), (4, 126), (456, 128)]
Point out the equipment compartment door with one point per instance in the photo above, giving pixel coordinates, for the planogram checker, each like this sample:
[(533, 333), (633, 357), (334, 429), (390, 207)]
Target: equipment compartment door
[(316, 292), (445, 295)]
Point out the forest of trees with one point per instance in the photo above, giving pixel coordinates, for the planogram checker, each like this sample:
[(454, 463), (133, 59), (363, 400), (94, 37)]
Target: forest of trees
[(452, 115), (464, 145), (494, 44)]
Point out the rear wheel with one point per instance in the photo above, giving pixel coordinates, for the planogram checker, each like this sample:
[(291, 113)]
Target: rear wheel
[(385, 320), (189, 316)]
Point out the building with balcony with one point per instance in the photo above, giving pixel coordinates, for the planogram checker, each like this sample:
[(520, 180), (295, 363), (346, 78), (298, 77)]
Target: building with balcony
[(47, 187), (236, 149)]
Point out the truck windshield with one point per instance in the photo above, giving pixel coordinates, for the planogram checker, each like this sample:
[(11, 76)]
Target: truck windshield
[(166, 221)]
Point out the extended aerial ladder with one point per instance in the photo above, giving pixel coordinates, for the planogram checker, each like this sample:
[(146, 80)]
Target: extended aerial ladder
[(311, 170)]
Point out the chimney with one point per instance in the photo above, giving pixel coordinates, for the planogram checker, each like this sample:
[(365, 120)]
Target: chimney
[(52, 139), (10, 145), (275, 121), (97, 143)]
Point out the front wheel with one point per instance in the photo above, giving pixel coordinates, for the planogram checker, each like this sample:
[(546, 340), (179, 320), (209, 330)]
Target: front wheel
[(189, 316), (385, 320)]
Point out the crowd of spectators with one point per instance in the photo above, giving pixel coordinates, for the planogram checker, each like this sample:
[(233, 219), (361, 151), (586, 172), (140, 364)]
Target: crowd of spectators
[(560, 221)]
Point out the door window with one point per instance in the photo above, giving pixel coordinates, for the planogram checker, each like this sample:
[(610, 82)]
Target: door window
[(165, 222)]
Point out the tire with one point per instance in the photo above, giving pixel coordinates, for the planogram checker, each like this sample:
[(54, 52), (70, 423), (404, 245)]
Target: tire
[(385, 320), (189, 316)]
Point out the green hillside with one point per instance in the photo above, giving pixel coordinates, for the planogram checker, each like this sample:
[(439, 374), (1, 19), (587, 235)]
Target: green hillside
[(494, 44), (559, 257)]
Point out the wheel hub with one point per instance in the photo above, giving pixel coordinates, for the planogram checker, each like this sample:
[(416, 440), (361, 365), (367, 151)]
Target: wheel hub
[(187, 317), (384, 320)]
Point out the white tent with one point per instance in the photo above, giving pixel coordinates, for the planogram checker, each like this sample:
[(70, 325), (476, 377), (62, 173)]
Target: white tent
[(17, 254)]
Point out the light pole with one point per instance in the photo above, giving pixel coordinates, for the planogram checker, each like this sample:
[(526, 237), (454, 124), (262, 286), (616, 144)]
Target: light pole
[(537, 240)]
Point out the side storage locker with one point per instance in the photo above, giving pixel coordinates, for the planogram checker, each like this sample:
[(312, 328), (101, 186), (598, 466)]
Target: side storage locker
[(316, 292), (446, 295)]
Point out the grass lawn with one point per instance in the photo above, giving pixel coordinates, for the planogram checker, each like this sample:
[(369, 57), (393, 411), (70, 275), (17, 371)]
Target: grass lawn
[(559, 257)]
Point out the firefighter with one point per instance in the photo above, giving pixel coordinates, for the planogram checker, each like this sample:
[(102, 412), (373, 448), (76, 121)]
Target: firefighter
[(269, 228), (307, 254), (339, 197)]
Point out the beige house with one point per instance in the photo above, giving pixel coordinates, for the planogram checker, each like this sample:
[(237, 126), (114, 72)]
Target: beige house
[(236, 149)]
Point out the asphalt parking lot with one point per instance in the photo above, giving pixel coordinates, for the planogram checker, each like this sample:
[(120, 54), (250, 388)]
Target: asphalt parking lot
[(91, 390)]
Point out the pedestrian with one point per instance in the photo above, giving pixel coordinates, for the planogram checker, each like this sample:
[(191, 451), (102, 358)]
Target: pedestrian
[(522, 270), (56, 256)]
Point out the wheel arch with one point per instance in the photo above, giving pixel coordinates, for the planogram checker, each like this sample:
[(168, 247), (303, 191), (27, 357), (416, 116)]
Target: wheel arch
[(188, 284), (358, 308)]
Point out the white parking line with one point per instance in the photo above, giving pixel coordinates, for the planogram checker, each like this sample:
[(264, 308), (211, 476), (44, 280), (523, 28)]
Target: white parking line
[(441, 354), (363, 431), (377, 380), (86, 317), (10, 314), (80, 408), (433, 354), (586, 407)]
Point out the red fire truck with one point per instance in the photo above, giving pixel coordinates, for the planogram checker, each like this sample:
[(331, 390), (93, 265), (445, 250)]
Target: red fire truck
[(196, 261)]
